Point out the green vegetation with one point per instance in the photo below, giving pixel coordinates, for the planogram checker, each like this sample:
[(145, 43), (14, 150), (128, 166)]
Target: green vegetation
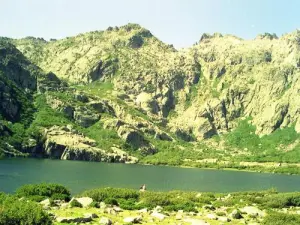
[(116, 66), (15, 211), (191, 96), (39, 192), (269, 148), (100, 89), (21, 212), (74, 203), (132, 199), (281, 218)]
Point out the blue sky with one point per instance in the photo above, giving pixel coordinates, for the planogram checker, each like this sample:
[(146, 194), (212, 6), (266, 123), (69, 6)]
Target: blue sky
[(178, 22)]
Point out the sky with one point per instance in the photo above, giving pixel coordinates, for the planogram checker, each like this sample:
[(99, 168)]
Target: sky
[(177, 22)]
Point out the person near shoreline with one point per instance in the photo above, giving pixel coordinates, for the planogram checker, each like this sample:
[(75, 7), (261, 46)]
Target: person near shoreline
[(143, 188)]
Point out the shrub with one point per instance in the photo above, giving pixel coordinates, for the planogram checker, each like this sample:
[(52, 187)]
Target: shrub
[(59, 196), (38, 192), (282, 200), (20, 212), (74, 203), (220, 213), (94, 205), (281, 218), (111, 201), (136, 41), (102, 194)]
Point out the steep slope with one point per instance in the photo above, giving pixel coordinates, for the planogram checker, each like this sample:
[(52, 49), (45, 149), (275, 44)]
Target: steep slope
[(257, 78), (18, 81), (222, 97)]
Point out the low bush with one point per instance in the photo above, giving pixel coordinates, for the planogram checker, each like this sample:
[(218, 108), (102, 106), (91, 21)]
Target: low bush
[(282, 200), (102, 194), (20, 212), (39, 192), (281, 218), (111, 201), (74, 203), (134, 200), (94, 205)]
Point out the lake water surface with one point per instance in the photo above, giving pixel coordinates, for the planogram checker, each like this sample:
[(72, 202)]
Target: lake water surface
[(79, 176)]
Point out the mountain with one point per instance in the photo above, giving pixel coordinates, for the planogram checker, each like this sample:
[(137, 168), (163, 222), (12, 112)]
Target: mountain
[(122, 95)]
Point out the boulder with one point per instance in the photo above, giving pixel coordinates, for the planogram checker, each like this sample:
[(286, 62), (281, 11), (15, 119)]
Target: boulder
[(92, 215), (102, 205), (158, 215), (45, 203), (158, 209), (136, 219), (73, 219), (209, 207), (105, 221), (84, 201), (236, 214), (178, 216), (195, 221), (211, 216), (253, 211), (145, 210), (224, 219)]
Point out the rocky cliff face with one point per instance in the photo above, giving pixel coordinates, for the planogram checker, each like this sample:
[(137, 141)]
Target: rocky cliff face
[(144, 93), (257, 78)]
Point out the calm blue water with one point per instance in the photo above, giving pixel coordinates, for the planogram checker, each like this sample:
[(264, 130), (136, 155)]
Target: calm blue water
[(79, 176)]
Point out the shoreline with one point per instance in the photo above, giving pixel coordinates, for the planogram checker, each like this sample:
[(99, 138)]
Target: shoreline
[(257, 167)]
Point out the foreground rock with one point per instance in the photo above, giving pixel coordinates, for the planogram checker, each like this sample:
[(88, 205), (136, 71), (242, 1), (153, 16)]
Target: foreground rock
[(74, 219), (136, 219), (105, 221), (253, 211)]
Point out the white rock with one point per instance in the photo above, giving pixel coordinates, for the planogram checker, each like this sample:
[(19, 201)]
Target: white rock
[(46, 203), (84, 201), (145, 210), (105, 221), (224, 219), (102, 205), (253, 211), (117, 209), (132, 219), (211, 216), (158, 215), (178, 217), (158, 209), (196, 221), (92, 215)]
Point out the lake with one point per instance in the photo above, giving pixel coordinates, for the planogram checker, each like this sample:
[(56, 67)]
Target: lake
[(79, 176)]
